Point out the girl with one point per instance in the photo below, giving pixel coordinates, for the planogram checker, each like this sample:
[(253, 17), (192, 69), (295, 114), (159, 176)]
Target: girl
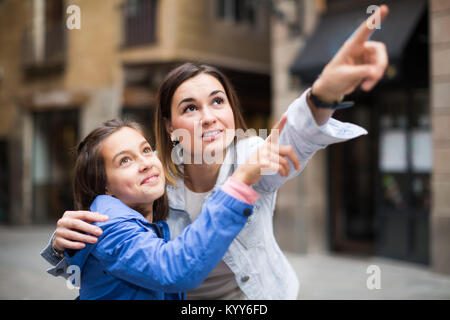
[(118, 175), (196, 108)]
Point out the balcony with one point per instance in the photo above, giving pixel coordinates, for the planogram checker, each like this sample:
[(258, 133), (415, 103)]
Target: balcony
[(45, 51), (139, 22)]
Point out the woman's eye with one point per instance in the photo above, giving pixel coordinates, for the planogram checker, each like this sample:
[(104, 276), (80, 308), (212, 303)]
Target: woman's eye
[(217, 101), (147, 150), (190, 108), (124, 161)]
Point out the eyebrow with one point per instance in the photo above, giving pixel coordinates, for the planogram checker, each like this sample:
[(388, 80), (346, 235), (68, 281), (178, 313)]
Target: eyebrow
[(192, 99), (128, 151)]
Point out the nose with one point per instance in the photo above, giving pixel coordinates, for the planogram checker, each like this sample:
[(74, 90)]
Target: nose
[(145, 163), (208, 117)]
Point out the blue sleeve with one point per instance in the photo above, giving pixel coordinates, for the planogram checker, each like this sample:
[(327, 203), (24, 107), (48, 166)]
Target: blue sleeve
[(306, 137), (59, 264), (129, 252)]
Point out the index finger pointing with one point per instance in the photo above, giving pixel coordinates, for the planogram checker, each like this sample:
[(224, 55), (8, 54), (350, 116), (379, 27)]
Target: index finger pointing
[(362, 34), (275, 132)]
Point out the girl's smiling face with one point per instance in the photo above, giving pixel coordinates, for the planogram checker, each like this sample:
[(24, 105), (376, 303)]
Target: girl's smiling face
[(200, 109), (134, 173)]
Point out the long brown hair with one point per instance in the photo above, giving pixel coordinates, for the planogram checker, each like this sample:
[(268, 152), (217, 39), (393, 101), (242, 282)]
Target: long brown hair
[(89, 178), (163, 110)]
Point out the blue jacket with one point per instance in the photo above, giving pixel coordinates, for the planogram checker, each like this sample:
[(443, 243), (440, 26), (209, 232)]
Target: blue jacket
[(261, 269), (134, 259)]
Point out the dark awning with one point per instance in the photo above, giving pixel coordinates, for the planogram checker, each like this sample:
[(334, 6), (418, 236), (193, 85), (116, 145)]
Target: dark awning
[(335, 27)]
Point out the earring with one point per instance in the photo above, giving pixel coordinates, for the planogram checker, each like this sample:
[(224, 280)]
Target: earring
[(175, 141)]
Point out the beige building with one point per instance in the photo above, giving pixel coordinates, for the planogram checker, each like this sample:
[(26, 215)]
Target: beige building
[(66, 66), (439, 15)]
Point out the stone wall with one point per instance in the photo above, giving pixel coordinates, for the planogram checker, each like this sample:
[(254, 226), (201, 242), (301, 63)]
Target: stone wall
[(440, 111)]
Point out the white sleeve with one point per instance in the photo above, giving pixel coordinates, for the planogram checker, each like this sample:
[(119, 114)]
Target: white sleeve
[(306, 137)]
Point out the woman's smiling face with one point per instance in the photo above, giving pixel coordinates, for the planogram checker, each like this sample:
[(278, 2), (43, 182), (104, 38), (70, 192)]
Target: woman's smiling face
[(133, 172), (200, 109)]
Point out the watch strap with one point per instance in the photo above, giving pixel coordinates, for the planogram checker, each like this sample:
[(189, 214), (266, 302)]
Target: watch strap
[(336, 105)]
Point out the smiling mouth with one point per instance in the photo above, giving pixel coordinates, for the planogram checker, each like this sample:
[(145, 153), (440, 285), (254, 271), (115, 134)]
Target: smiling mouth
[(151, 180), (211, 135)]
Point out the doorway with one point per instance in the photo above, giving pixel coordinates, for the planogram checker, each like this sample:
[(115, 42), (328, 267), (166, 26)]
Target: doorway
[(379, 187), (55, 137)]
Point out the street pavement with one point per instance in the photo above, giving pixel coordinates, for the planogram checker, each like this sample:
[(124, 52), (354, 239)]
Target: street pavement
[(23, 276)]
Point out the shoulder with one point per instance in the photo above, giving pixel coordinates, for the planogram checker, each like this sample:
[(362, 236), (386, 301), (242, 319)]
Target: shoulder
[(108, 205), (115, 209)]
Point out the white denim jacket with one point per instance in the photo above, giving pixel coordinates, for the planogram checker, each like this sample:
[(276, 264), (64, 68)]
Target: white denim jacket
[(261, 269)]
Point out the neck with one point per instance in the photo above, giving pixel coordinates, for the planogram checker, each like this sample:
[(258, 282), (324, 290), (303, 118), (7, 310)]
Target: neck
[(201, 177), (146, 210)]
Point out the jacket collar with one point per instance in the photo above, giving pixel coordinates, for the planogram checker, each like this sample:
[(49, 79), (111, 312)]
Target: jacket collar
[(176, 193), (116, 209)]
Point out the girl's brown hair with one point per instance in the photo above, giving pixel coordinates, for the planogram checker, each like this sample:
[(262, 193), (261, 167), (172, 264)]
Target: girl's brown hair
[(163, 110), (89, 179)]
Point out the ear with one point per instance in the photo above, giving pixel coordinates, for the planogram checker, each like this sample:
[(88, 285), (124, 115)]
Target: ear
[(169, 127)]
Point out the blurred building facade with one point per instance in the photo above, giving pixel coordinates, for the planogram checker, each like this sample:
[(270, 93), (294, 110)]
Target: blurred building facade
[(386, 193), (57, 84)]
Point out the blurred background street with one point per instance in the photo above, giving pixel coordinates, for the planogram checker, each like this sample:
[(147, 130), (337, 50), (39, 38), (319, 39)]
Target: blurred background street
[(68, 65), (23, 276)]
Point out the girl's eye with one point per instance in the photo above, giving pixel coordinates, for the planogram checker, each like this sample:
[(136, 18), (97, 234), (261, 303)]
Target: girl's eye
[(147, 150), (189, 108), (124, 161), (217, 101)]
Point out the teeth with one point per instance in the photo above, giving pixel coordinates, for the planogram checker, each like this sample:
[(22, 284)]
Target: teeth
[(211, 133), (151, 179)]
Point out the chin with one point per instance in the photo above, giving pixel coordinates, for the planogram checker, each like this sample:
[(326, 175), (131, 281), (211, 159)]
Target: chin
[(159, 191), (215, 149)]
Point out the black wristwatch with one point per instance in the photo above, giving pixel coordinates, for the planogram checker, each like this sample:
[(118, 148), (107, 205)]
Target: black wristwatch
[(336, 105), (59, 255)]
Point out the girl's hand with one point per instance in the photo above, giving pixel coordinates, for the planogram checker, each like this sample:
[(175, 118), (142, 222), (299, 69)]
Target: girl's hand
[(72, 228), (359, 62), (268, 159)]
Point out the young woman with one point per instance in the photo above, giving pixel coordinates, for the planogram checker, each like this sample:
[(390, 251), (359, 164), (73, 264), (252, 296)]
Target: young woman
[(118, 175), (196, 108)]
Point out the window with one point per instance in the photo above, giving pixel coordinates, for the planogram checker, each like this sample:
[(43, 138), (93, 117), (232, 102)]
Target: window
[(291, 13), (237, 11), (139, 22)]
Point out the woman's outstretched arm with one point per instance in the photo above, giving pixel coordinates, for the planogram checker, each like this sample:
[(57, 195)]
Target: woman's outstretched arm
[(359, 62)]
